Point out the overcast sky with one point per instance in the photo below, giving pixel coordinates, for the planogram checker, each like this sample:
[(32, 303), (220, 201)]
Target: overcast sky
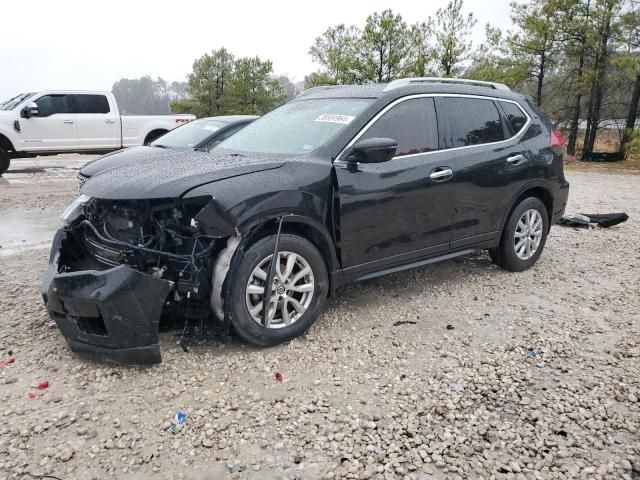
[(68, 44)]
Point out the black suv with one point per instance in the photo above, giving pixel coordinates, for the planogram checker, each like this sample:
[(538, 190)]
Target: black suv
[(341, 184)]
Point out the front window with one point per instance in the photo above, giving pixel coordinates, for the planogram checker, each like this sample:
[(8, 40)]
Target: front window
[(298, 127), (189, 135), (15, 101)]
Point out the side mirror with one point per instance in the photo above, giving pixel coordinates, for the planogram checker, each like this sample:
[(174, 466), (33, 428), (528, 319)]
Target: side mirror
[(31, 110), (373, 150)]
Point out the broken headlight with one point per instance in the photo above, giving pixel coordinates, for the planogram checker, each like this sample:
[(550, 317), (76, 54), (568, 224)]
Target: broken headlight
[(73, 211)]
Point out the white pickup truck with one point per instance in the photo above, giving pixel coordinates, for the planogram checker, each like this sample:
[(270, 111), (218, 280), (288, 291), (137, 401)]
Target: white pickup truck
[(52, 122)]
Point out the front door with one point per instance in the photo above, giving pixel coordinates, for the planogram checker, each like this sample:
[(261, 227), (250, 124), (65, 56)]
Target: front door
[(54, 128), (399, 210)]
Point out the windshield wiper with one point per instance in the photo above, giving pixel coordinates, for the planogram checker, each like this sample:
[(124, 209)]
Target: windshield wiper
[(160, 146)]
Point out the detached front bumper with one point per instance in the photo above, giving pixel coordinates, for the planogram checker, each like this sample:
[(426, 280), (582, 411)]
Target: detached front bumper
[(108, 315)]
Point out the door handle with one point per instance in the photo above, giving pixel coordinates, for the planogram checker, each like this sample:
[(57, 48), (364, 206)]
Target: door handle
[(109, 121), (441, 174), (515, 159), (69, 122)]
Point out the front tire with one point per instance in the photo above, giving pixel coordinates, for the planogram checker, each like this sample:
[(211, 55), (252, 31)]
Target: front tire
[(523, 237), (298, 293), (5, 161)]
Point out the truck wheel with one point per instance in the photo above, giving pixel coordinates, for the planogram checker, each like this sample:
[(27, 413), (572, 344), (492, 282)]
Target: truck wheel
[(523, 237), (4, 161), (298, 292)]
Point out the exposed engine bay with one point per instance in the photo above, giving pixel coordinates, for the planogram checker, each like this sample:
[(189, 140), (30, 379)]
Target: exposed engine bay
[(120, 266), (160, 238)]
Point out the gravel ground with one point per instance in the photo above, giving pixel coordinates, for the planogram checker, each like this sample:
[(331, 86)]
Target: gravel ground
[(459, 370)]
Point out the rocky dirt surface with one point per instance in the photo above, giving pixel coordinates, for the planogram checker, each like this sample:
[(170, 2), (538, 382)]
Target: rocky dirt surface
[(459, 370)]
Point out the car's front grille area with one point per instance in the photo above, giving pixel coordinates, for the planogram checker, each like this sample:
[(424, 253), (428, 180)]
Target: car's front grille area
[(81, 180)]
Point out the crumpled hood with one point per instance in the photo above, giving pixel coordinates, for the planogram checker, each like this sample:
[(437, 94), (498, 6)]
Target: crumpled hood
[(160, 173)]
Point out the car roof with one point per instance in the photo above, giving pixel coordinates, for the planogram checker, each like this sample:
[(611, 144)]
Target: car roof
[(403, 87), (231, 118)]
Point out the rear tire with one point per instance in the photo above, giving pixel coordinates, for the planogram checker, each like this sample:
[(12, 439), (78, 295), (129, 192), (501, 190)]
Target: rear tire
[(523, 237), (302, 307), (154, 135), (5, 161)]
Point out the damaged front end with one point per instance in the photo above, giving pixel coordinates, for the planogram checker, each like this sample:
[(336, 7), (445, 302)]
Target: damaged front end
[(119, 266)]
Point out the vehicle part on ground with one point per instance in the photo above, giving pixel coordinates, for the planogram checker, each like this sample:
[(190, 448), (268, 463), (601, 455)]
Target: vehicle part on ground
[(523, 237), (301, 307), (584, 220)]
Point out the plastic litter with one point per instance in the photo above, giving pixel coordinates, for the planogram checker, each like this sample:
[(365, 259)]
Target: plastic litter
[(7, 361), (584, 220), (532, 353), (179, 421), (278, 377), (32, 395), (43, 385)]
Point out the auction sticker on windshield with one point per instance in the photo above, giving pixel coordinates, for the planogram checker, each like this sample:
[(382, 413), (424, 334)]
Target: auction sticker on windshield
[(335, 118)]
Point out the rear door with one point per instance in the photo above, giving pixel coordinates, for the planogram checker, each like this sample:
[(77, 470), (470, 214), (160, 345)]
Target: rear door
[(97, 122), (399, 210), (490, 164), (54, 128)]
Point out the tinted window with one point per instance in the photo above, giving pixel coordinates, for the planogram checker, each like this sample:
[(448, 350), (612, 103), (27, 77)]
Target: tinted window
[(472, 121), (52, 104), (515, 115), (91, 104), (411, 123)]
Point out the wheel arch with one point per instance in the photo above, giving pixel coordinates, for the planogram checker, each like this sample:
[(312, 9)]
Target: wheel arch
[(154, 134), (303, 226), (537, 190), (6, 144)]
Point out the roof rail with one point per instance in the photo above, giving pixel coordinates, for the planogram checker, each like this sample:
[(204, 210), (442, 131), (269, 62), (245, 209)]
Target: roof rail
[(403, 82)]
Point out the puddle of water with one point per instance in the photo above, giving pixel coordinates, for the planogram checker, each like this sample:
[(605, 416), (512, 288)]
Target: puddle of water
[(26, 230)]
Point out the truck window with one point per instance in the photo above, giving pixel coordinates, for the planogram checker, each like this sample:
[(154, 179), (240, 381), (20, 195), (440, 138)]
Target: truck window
[(52, 104), (91, 104)]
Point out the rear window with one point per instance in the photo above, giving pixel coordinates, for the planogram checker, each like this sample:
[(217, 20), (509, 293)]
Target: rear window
[(91, 104), (516, 117), (472, 121)]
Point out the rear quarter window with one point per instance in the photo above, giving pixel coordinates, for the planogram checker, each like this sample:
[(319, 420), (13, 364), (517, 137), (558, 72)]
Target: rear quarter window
[(515, 116)]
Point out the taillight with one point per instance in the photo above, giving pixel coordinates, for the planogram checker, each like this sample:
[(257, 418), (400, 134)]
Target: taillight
[(557, 139)]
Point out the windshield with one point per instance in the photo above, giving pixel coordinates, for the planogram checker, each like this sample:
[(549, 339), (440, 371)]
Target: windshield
[(13, 102), (189, 135), (297, 127)]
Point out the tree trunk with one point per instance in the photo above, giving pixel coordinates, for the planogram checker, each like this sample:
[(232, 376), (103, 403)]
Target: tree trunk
[(575, 114), (598, 84), (540, 79), (632, 115)]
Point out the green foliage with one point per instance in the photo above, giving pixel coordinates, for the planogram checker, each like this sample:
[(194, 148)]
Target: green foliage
[(383, 47), (452, 36), (337, 51), (220, 84), (632, 146)]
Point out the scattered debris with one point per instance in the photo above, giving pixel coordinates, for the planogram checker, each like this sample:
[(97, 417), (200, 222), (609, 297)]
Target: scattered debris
[(7, 361), (179, 421), (585, 220), (278, 377), (43, 385), (32, 395), (404, 322), (450, 327), (532, 353)]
